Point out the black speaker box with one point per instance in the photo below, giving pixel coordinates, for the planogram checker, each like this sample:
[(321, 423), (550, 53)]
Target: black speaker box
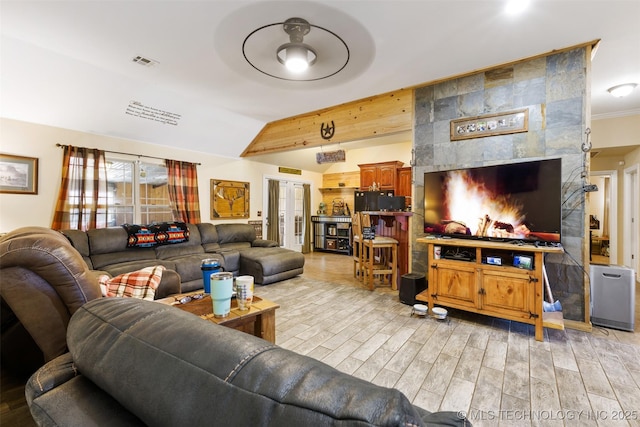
[(411, 284), (368, 200)]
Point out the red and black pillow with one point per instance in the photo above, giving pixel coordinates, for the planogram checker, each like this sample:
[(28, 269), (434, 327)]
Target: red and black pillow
[(165, 233)]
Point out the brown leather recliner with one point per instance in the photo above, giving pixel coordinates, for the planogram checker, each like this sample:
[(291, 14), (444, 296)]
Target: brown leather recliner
[(43, 281)]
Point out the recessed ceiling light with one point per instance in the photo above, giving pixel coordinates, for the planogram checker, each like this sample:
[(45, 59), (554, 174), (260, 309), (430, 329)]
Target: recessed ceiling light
[(516, 6), (622, 90)]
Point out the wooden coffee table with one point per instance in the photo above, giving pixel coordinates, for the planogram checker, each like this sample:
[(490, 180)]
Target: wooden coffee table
[(259, 320)]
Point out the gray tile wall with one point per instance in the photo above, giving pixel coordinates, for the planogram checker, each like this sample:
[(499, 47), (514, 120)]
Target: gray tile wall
[(554, 89)]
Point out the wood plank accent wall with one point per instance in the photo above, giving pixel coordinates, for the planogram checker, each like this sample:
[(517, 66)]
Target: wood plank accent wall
[(385, 114), (331, 189), (348, 179)]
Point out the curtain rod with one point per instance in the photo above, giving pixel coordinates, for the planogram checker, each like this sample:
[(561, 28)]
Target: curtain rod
[(127, 154)]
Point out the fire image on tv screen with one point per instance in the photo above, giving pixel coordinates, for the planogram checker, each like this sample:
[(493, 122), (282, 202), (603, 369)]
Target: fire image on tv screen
[(517, 201)]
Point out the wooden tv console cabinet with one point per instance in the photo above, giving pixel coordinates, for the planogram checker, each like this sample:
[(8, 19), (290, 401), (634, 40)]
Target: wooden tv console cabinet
[(463, 279)]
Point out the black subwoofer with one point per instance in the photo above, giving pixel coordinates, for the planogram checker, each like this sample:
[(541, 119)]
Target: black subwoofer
[(411, 284)]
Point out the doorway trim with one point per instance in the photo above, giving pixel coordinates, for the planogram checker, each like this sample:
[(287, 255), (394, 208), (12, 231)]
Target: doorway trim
[(613, 213), (630, 216), (265, 194)]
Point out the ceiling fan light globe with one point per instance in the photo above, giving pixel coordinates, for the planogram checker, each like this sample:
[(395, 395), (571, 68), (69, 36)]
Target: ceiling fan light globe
[(296, 57), (296, 64)]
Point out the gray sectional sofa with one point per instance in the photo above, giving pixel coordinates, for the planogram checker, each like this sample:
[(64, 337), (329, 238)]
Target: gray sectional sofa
[(235, 246), (44, 280)]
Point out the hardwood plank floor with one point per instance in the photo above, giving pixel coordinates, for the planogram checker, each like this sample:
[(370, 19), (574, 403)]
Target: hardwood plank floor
[(492, 369), (14, 411)]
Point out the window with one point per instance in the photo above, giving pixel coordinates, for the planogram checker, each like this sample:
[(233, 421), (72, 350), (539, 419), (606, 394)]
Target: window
[(126, 205)]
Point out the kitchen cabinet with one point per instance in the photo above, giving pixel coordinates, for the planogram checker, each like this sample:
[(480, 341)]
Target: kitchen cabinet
[(480, 277), (384, 174), (403, 184)]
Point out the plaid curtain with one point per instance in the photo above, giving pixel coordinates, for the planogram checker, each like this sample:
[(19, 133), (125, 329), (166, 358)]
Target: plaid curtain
[(273, 211), (306, 207), (82, 199), (183, 191)]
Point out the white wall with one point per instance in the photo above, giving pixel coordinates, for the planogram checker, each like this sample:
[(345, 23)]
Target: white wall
[(616, 132), (611, 133), (381, 153), (33, 140)]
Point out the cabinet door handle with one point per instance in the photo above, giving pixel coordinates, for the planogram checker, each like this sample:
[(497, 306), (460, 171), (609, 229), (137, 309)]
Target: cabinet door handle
[(434, 265)]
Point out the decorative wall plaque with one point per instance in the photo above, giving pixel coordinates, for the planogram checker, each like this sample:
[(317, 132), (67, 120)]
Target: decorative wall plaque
[(490, 125)]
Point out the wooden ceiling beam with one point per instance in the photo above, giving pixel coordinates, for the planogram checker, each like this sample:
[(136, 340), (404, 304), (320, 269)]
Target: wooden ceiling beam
[(375, 116)]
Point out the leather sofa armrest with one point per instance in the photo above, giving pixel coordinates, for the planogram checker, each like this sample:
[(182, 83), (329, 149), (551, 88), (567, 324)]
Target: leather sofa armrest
[(57, 395), (263, 243), (170, 284), (51, 375)]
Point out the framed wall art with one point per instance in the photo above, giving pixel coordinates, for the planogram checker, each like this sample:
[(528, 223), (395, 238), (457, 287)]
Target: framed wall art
[(18, 175), (490, 125), (229, 199)]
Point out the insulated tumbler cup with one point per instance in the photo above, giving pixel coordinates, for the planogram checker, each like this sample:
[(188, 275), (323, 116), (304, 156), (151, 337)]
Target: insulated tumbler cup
[(221, 290), (209, 266)]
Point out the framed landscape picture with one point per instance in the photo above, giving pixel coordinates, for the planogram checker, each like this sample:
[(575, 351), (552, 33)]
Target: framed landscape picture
[(229, 199), (18, 175)]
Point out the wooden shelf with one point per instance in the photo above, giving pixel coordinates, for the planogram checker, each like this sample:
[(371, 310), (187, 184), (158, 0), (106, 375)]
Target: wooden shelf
[(337, 188)]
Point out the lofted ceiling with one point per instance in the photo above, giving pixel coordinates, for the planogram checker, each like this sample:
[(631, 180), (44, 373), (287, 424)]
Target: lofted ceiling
[(70, 63)]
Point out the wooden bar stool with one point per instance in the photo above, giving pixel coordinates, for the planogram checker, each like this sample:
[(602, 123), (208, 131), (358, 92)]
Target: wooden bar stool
[(379, 257), (356, 246)]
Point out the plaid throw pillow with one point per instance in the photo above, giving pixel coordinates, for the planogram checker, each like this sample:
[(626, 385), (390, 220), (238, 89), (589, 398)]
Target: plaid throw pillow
[(137, 284)]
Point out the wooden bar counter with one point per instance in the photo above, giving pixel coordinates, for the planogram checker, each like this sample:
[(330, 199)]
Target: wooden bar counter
[(394, 224)]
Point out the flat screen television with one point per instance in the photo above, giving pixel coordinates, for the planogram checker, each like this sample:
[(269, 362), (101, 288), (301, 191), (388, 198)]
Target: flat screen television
[(516, 201)]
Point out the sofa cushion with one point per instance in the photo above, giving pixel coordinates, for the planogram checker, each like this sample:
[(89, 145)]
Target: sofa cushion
[(174, 251), (79, 241), (208, 233), (104, 261), (235, 246), (136, 284), (107, 240), (189, 267), (234, 233), (270, 260)]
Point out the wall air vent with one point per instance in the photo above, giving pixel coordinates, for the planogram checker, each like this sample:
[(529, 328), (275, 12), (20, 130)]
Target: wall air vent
[(145, 61)]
